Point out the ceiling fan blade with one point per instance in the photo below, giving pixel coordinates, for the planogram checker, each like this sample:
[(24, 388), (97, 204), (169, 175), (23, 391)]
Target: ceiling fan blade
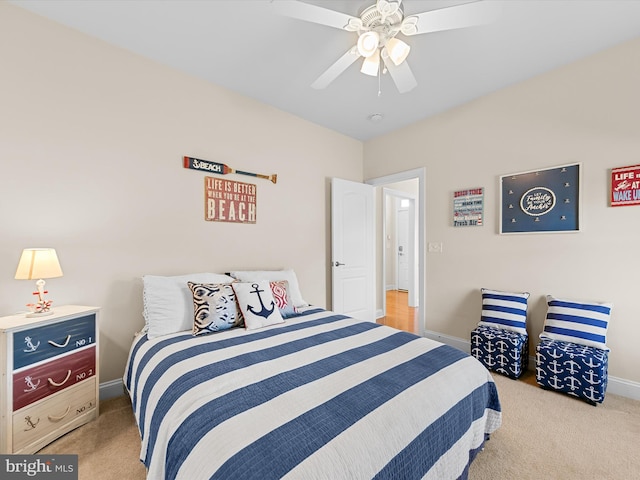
[(401, 74), (459, 16), (336, 69), (313, 13)]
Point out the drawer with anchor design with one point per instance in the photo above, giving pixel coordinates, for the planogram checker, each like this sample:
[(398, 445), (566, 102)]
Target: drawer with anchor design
[(38, 344), (39, 381), (50, 380), (43, 419)]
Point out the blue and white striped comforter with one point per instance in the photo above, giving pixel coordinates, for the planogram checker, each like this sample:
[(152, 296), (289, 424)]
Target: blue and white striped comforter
[(321, 396)]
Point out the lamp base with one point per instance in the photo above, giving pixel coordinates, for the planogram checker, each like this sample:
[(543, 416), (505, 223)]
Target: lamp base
[(39, 314)]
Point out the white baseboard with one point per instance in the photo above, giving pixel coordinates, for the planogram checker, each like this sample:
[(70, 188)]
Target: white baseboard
[(379, 314), (111, 389), (616, 386), (459, 343), (624, 388)]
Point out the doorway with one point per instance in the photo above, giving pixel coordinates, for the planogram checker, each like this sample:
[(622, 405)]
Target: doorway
[(399, 238), (416, 295), (404, 245)]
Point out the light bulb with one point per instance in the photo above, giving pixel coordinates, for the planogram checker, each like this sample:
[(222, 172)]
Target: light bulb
[(368, 43), (398, 50), (371, 64)]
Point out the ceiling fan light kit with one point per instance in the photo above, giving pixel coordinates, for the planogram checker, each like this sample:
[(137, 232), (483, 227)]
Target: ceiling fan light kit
[(398, 50), (371, 64), (377, 27), (368, 43)]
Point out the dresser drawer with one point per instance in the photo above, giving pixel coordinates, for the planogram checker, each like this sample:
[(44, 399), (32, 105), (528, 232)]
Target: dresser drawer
[(52, 416), (34, 383), (46, 341)]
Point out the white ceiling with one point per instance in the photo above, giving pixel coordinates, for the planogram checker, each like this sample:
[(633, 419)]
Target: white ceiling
[(245, 46)]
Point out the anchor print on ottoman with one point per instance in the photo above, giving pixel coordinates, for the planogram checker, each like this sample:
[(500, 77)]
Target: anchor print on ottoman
[(578, 370), (257, 304), (503, 351)]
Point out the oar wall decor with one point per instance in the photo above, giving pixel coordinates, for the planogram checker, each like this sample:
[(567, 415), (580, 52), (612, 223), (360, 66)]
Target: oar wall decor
[(221, 168)]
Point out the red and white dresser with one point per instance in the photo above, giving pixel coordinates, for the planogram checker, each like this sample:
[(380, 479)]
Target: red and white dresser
[(49, 371)]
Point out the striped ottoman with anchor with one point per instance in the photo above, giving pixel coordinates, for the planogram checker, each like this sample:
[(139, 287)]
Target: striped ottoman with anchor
[(500, 341), (572, 356)]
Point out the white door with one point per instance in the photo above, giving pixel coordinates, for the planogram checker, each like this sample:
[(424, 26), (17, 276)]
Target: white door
[(353, 249), (403, 249)]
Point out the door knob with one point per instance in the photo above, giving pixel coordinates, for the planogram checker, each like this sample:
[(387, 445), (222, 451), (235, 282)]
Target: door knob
[(337, 264)]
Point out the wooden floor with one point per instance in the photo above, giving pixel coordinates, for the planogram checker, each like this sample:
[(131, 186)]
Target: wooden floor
[(399, 314)]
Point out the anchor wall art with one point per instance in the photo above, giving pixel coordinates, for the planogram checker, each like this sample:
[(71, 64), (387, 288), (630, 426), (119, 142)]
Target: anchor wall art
[(541, 201)]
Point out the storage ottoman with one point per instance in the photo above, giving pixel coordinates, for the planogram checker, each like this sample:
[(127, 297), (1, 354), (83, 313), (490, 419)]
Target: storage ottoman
[(575, 369), (503, 351)]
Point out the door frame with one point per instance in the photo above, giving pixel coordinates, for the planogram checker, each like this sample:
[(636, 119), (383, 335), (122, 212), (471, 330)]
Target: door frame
[(421, 175), (396, 195)]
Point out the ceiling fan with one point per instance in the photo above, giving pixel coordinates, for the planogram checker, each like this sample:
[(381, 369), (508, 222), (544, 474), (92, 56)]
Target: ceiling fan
[(378, 27)]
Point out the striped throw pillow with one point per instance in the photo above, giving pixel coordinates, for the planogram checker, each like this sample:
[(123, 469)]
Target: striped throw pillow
[(504, 310), (584, 323)]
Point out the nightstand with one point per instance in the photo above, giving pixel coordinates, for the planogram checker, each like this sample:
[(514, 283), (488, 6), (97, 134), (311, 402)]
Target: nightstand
[(49, 369)]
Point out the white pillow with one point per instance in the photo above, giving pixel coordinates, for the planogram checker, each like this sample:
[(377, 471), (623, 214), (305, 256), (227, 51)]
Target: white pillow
[(506, 310), (257, 304), (168, 302), (584, 323), (272, 276)]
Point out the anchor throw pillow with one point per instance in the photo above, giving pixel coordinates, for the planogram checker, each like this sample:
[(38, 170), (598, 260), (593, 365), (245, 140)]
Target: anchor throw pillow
[(584, 323), (273, 276), (215, 308), (257, 304)]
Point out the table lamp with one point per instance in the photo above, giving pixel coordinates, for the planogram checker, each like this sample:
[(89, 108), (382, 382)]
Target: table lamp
[(38, 263)]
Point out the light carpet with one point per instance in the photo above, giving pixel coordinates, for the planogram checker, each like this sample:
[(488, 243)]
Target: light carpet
[(544, 435)]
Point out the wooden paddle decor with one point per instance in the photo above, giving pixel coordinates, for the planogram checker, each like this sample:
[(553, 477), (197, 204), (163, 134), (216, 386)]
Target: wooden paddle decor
[(221, 168)]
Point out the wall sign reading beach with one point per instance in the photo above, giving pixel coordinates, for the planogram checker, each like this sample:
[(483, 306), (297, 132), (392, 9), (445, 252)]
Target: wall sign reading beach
[(227, 200), (540, 201)]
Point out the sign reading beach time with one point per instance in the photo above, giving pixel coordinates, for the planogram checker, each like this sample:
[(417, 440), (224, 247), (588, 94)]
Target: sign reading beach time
[(468, 207), (229, 201)]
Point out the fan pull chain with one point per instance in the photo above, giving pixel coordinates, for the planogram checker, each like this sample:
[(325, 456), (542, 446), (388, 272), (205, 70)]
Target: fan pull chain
[(379, 76)]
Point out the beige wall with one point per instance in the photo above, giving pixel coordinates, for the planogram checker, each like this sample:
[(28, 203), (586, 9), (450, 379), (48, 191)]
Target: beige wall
[(587, 112), (91, 139), (91, 142)]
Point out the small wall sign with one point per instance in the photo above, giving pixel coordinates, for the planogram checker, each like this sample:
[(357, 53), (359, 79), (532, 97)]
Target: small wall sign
[(229, 201), (468, 207), (625, 186)]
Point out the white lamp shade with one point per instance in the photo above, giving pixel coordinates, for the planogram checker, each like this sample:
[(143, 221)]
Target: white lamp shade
[(398, 50), (371, 64), (368, 43), (37, 263)]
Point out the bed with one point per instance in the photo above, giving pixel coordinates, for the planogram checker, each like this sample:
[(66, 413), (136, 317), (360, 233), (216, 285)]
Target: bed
[(318, 396)]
